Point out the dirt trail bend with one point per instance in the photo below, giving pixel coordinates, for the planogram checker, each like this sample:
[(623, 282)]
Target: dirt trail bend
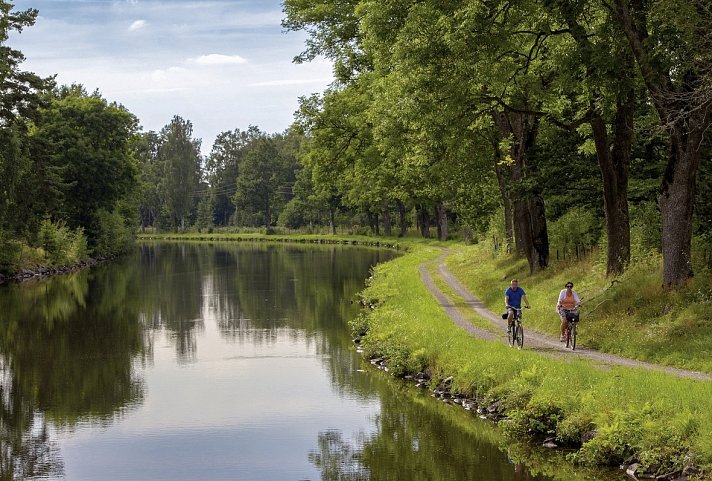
[(532, 340)]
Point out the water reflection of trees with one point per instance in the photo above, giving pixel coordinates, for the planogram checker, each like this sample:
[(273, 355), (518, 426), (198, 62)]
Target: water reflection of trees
[(26, 450), (67, 347), (338, 460), (171, 292), (413, 439), (417, 438), (305, 288)]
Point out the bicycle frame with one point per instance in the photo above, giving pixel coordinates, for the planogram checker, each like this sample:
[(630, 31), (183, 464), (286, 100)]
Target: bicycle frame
[(516, 331), (572, 318)]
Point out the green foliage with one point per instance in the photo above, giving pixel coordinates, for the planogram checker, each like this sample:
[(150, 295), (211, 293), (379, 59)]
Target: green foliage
[(655, 443), (179, 155), (113, 234), (62, 245), (578, 228), (204, 216), (89, 140), (646, 228), (571, 430), (222, 168), (537, 419), (9, 253), (257, 197)]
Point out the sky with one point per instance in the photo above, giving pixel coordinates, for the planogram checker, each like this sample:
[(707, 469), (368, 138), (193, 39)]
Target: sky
[(221, 64)]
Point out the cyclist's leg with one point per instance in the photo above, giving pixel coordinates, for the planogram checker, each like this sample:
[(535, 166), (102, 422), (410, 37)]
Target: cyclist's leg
[(510, 318), (563, 327)]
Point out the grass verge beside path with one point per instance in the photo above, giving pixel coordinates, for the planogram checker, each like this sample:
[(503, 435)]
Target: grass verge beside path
[(665, 422), (631, 316)]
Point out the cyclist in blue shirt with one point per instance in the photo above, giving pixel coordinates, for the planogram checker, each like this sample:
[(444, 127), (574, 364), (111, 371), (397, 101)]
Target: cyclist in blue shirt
[(513, 297)]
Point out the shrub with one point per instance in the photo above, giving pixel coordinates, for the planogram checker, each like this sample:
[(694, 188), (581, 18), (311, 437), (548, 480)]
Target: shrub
[(538, 418), (646, 228), (61, 245), (577, 228), (572, 429), (9, 253), (359, 324), (112, 236)]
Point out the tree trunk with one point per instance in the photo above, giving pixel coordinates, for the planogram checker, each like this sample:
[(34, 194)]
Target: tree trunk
[(676, 205), (436, 216), (441, 221), (402, 218), (332, 219), (386, 213), (614, 164), (685, 113), (423, 221), (613, 160), (530, 230), (539, 258), (372, 219), (506, 200)]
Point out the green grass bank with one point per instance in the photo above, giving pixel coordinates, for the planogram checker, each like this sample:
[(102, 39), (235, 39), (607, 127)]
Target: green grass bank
[(607, 414)]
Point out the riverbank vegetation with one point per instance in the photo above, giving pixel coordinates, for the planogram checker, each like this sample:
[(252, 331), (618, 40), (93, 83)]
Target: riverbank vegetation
[(66, 166), (608, 414)]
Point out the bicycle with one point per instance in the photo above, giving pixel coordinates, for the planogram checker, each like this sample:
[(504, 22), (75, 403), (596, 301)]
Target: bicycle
[(515, 332), (572, 318)]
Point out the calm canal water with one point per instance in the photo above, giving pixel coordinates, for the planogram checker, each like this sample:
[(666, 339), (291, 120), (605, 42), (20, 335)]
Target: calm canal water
[(218, 362)]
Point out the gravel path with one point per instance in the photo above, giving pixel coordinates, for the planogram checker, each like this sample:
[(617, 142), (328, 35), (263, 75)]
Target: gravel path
[(532, 340)]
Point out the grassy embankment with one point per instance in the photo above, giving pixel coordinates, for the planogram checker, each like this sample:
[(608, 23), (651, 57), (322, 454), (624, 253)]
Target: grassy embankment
[(663, 420)]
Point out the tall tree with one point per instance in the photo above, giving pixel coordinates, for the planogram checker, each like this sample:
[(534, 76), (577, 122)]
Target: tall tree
[(21, 94), (257, 196), (598, 81), (672, 45), (90, 141), (222, 168), (180, 154), (150, 194)]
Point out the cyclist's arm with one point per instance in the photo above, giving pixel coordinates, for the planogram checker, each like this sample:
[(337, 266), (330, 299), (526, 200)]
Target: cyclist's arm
[(526, 301)]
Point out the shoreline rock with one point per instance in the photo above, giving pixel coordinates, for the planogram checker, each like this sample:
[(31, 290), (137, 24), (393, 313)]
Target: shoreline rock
[(42, 272)]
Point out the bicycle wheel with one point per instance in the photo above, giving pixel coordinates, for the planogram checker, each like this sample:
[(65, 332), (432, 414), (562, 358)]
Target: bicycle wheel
[(568, 335), (572, 336), (520, 336)]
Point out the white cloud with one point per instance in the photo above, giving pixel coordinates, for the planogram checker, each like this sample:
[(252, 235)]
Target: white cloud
[(218, 59), (189, 66), (137, 25)]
